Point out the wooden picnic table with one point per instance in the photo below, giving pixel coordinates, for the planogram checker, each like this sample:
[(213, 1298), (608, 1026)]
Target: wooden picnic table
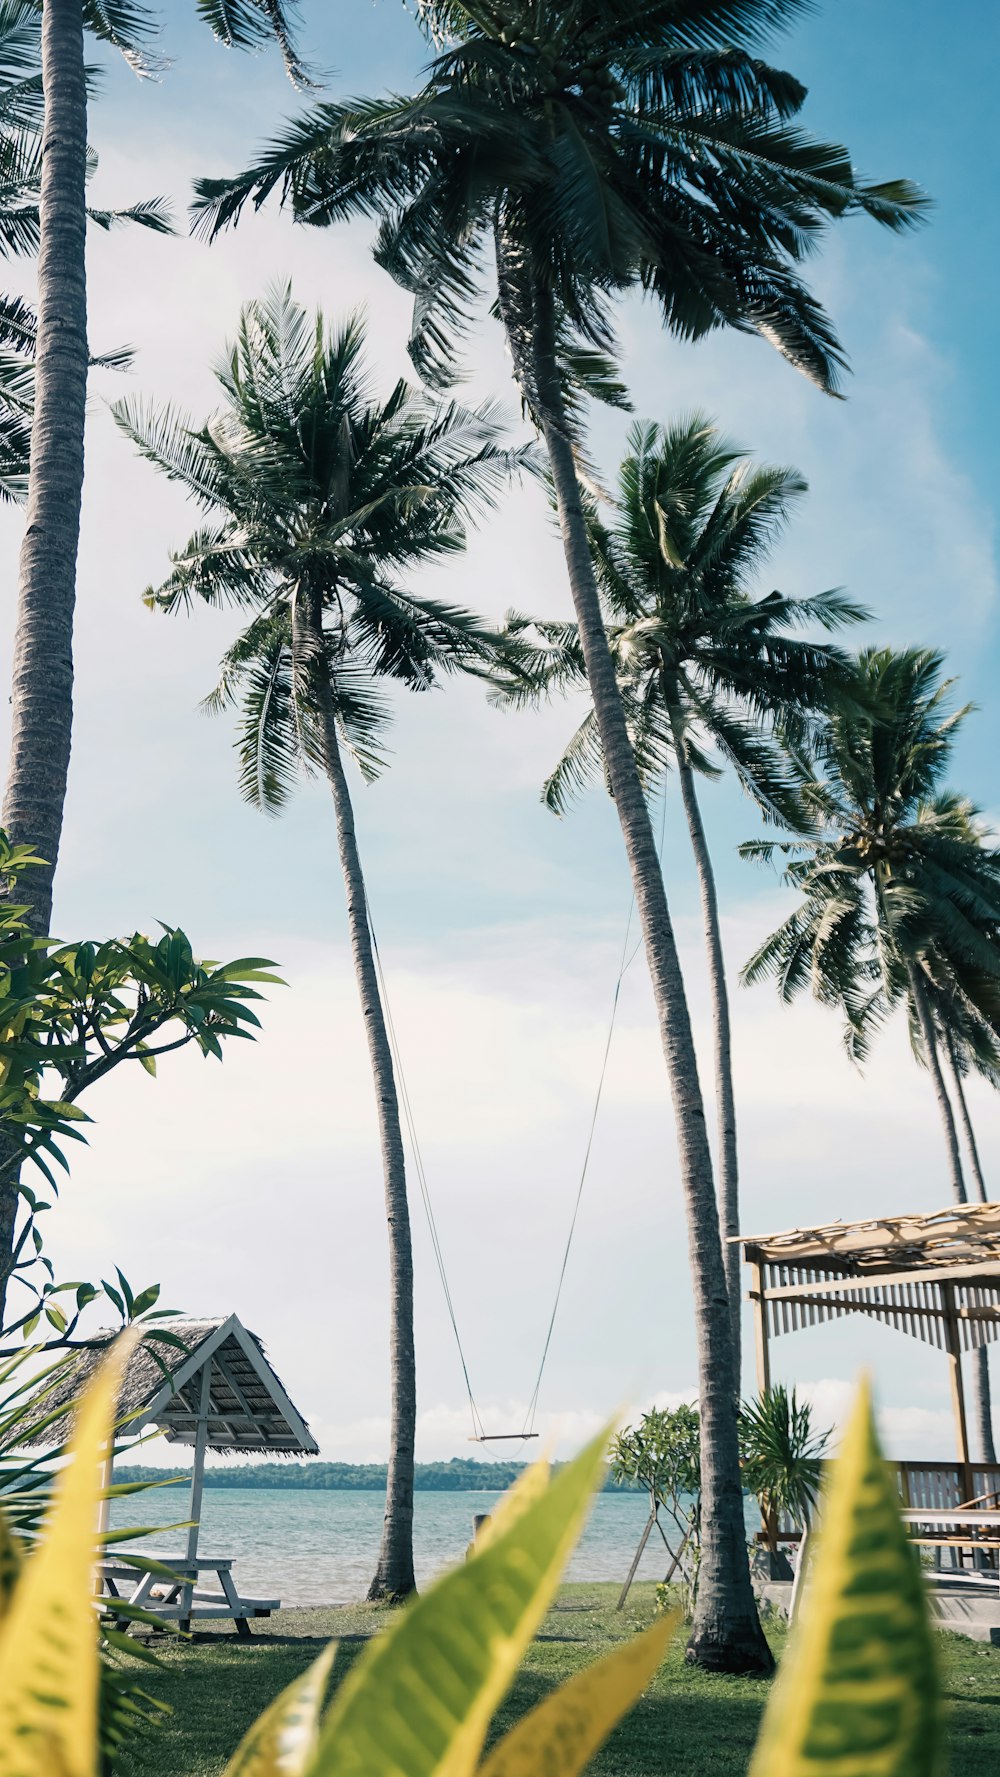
[(136, 1580), (972, 1527)]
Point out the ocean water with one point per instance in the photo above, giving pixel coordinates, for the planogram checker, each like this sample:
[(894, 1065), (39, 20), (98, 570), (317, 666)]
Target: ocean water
[(308, 1547)]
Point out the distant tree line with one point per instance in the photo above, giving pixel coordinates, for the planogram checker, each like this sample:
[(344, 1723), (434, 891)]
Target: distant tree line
[(460, 1475)]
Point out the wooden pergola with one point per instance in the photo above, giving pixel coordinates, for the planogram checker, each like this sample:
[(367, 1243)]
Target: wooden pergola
[(935, 1277)]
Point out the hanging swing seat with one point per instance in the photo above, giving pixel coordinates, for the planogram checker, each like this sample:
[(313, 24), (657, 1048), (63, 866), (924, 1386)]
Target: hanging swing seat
[(500, 1437)]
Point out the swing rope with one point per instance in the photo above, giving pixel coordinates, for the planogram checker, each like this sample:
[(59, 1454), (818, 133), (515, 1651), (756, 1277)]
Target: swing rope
[(624, 965), (478, 1429), (479, 1433), (529, 1418)]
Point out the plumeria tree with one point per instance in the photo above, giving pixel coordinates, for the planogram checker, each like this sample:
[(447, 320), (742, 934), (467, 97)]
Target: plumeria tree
[(69, 1015)]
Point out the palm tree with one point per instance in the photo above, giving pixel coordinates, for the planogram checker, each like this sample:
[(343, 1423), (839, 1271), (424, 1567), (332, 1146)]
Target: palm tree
[(901, 889), (586, 148), (29, 172), (321, 501), (702, 667), (42, 675)]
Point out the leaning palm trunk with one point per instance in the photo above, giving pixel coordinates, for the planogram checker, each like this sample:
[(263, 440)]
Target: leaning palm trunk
[(963, 1111), (725, 1102), (929, 1038), (394, 1576), (980, 1356), (42, 670), (726, 1632)]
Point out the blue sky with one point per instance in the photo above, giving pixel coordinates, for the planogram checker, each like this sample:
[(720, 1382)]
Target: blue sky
[(256, 1187)]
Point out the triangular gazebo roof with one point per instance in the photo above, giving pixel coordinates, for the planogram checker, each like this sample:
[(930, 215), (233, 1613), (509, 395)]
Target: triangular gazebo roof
[(217, 1374)]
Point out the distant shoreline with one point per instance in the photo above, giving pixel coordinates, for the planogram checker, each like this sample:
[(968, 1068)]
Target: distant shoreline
[(461, 1475)]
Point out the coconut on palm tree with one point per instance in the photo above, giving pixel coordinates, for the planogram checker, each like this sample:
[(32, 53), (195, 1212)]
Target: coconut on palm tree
[(320, 501), (900, 888), (579, 149), (704, 671)]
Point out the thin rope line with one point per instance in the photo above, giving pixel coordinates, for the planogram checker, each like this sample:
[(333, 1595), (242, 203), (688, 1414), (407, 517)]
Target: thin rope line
[(478, 1428), (418, 1163), (624, 966)]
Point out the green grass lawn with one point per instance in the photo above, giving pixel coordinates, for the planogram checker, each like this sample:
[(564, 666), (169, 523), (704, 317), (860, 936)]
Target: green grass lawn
[(687, 1724)]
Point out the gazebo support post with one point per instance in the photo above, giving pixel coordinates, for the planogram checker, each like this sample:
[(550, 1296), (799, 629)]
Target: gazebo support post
[(107, 1476), (197, 1487), (777, 1565), (761, 1349), (953, 1347)]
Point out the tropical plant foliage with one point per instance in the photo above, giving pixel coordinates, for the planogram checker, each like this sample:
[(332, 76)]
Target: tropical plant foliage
[(320, 501), (662, 1455), (33, 1404), (782, 1455), (858, 1688), (858, 1691), (69, 1014)]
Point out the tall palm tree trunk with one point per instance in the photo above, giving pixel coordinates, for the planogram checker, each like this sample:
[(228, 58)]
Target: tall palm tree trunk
[(980, 1356), (42, 679), (394, 1577), (726, 1633), (42, 668), (725, 1100)]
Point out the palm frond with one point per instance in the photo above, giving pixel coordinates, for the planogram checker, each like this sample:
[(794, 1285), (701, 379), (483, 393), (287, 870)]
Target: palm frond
[(247, 24), (168, 440), (129, 27), (153, 213), (580, 767)]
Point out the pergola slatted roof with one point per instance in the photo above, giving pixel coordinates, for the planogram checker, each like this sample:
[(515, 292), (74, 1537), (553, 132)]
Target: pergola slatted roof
[(910, 1272), (963, 1235)]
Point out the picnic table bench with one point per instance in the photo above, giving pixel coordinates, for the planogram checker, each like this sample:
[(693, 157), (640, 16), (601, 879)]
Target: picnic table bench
[(972, 1527), (138, 1581)]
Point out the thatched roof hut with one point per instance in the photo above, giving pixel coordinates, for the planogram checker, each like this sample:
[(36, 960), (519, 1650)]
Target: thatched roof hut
[(215, 1388)]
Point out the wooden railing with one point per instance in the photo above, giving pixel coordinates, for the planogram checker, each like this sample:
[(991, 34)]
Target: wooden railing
[(941, 1485)]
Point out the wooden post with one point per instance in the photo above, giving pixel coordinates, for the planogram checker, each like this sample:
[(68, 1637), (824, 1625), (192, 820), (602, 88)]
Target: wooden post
[(953, 1346), (643, 1540), (197, 1486), (104, 1504), (762, 1352), (761, 1349), (480, 1520)]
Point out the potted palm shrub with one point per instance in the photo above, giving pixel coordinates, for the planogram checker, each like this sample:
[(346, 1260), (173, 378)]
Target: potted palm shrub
[(782, 1461)]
